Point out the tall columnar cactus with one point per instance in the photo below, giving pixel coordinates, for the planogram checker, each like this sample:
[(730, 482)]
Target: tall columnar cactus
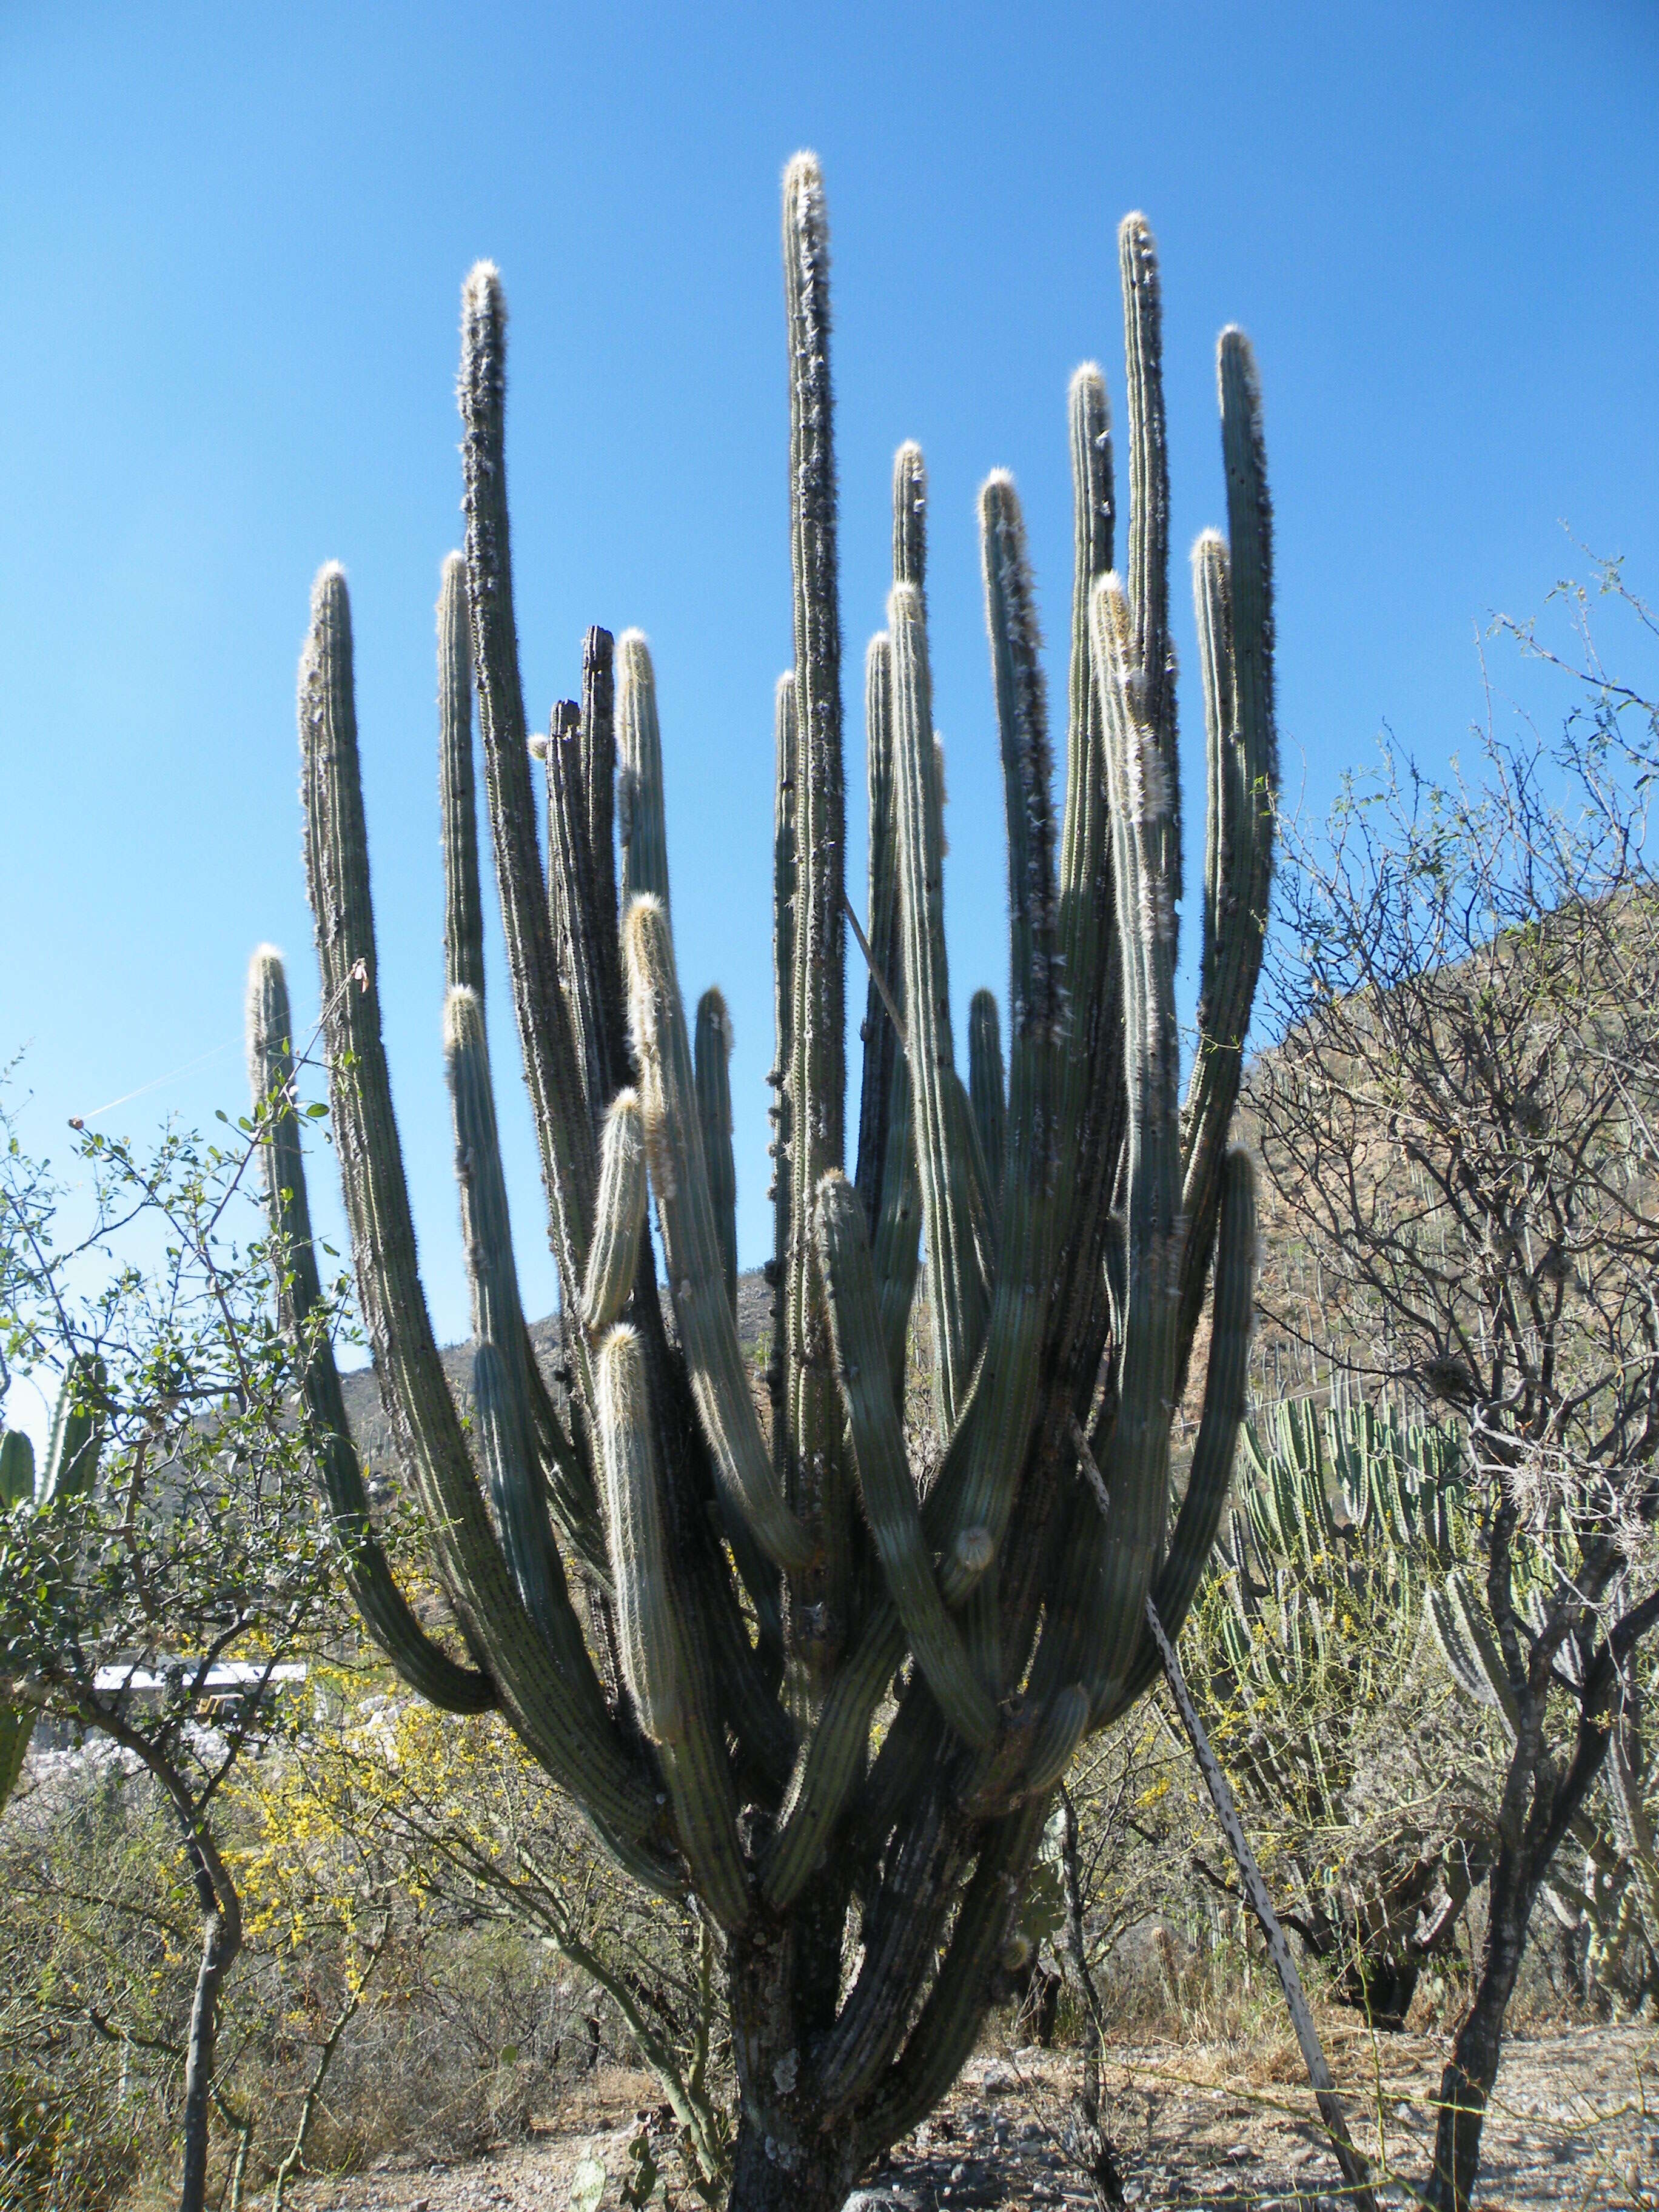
[(777, 1659)]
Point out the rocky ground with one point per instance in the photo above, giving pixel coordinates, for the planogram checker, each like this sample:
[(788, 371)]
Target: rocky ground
[(1195, 2125)]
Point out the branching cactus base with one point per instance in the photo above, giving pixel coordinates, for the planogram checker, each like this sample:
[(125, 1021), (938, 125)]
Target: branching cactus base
[(827, 1690)]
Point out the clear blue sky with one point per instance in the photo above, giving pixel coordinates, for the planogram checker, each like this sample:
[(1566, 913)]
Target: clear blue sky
[(231, 249)]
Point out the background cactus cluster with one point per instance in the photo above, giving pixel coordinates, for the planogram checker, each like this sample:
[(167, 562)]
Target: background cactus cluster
[(1344, 1584), (1347, 1513), (826, 1682)]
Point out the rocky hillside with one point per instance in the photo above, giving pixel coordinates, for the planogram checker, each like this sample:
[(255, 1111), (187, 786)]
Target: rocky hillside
[(368, 1422)]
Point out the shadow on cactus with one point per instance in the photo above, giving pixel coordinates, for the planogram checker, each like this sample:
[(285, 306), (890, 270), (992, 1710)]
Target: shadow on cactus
[(779, 1663)]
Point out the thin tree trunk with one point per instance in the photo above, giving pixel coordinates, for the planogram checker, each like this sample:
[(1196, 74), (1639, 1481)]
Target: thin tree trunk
[(230, 2197), (1471, 2073), (1536, 1814), (221, 1939), (1355, 2171), (1091, 2146)]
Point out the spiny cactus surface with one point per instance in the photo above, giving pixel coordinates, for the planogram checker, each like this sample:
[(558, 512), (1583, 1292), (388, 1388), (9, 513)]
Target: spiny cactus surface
[(781, 1660)]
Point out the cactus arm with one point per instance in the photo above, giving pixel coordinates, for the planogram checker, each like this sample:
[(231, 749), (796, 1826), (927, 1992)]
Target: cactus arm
[(1137, 1471), (1148, 650), (813, 564), (77, 1439), (569, 1479), (594, 1756), (881, 1041), (598, 753), (1036, 986), (1224, 1390), (746, 1674), (577, 923), (563, 1135), (464, 961), (1232, 588), (985, 1092), (502, 1433), (1250, 531), (666, 1673), (643, 821), (897, 1243), (781, 1369), (942, 1126), (1095, 1107), (1094, 1100), (816, 1478), (910, 518), (1009, 1395), (498, 1316), (911, 1743), (831, 1762), (1273, 1522), (945, 2031), (430, 1446), (707, 1329), (902, 1926), (565, 1465), (712, 1067), (1225, 1383), (1208, 1101), (1088, 937), (883, 1473), (16, 1468), (1057, 1735), (567, 1468), (619, 1215), (1351, 1456), (387, 1614), (1089, 424), (886, 1178), (649, 1629)]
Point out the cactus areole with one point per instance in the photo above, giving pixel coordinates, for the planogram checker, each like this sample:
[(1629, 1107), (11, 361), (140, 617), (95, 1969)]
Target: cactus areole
[(825, 1689)]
